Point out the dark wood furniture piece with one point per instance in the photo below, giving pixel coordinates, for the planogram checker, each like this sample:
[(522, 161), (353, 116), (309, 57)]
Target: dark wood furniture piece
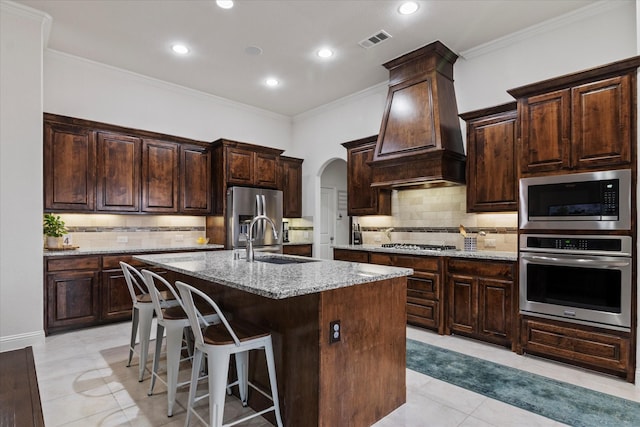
[(351, 255), (577, 122), (362, 199), (302, 250), (291, 185), (98, 167), (492, 175), (599, 349), (482, 299), (424, 288), (20, 397)]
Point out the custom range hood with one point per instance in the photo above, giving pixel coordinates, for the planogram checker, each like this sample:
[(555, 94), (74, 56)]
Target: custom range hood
[(420, 142)]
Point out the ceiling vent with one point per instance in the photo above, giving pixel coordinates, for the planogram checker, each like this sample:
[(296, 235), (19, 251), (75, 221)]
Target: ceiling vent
[(375, 39)]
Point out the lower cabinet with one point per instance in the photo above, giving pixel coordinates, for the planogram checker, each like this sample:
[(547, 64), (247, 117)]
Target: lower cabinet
[(481, 300), (424, 289), (599, 349), (349, 255), (302, 250)]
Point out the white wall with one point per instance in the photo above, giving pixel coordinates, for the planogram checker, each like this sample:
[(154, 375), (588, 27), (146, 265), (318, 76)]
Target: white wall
[(81, 88), (21, 295)]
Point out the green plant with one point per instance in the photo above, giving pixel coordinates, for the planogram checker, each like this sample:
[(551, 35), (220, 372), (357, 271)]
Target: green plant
[(53, 226)]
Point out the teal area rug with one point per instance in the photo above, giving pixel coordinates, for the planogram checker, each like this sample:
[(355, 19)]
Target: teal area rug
[(569, 404)]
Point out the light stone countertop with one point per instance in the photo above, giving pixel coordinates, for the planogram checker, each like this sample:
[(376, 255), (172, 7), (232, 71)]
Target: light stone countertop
[(275, 281), (129, 250), (487, 255)]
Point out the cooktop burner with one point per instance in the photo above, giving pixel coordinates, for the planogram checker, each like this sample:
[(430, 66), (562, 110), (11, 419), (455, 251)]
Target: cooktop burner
[(419, 246)]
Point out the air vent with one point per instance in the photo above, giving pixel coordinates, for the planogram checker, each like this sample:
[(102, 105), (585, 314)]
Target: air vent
[(375, 39)]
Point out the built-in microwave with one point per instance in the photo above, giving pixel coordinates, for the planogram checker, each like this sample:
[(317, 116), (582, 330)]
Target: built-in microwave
[(581, 201)]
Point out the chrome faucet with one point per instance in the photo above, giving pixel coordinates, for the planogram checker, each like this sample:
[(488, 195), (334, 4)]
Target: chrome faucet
[(250, 237)]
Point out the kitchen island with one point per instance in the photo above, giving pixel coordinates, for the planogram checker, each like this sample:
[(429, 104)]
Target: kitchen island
[(355, 381)]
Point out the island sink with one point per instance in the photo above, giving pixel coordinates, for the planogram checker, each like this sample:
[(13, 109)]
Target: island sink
[(284, 260)]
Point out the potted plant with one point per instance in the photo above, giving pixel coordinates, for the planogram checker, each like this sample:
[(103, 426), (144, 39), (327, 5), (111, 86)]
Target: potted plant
[(53, 227)]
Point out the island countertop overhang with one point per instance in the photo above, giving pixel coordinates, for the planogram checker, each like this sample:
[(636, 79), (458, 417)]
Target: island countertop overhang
[(275, 281)]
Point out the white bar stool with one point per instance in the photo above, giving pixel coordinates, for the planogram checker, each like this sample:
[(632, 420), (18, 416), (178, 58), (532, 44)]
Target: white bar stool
[(218, 342), (174, 320), (142, 314)]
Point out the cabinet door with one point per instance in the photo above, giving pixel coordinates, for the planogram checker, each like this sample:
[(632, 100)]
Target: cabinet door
[(195, 181), (72, 299), (361, 198), (116, 300), (118, 184), (601, 123), (266, 170), (545, 133), (159, 176), (494, 310), (69, 168), (462, 304), (291, 185), (491, 164), (239, 166)]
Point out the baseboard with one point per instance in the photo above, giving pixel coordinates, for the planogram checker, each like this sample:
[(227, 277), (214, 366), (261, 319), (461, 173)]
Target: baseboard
[(14, 342)]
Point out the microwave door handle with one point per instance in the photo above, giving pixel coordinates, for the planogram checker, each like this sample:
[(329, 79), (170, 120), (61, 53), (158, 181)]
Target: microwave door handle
[(577, 261)]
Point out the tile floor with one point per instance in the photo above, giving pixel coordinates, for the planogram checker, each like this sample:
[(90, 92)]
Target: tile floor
[(84, 382)]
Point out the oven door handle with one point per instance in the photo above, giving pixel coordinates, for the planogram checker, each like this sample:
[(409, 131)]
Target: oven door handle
[(577, 261)]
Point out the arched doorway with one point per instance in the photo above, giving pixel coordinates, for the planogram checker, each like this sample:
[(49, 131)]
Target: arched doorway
[(333, 225)]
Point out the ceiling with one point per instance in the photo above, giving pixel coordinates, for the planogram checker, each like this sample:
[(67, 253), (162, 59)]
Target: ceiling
[(137, 36)]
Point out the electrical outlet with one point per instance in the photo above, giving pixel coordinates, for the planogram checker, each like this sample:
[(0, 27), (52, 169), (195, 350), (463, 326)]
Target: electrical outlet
[(335, 333), (179, 238), (489, 243), (377, 238), (123, 239)]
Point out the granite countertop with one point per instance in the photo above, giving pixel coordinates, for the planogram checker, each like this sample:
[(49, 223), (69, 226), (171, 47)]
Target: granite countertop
[(488, 255), (128, 250), (276, 281)]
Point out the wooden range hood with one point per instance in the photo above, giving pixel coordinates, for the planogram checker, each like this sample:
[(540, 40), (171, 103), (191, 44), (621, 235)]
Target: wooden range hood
[(420, 142)]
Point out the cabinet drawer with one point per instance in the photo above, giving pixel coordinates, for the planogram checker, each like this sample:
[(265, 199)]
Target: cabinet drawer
[(113, 261), (73, 263), (493, 269), (423, 313), (415, 262), (424, 285), (349, 255)]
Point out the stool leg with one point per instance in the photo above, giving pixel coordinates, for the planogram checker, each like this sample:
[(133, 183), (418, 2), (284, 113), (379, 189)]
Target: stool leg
[(156, 357), (193, 386), (242, 367), (146, 316), (218, 369), (134, 332), (271, 366), (174, 347)]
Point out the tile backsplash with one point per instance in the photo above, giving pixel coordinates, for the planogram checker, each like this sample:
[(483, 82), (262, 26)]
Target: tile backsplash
[(433, 216), (97, 231)]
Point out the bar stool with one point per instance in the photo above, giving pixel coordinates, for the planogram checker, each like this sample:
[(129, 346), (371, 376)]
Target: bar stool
[(174, 320), (142, 314), (218, 342)]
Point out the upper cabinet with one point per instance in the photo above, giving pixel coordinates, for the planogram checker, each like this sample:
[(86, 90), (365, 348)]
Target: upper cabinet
[(362, 199), (578, 122), (492, 182), (291, 184), (96, 167)]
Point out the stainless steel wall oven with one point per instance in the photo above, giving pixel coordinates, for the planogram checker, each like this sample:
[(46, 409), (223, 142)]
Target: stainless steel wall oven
[(577, 278)]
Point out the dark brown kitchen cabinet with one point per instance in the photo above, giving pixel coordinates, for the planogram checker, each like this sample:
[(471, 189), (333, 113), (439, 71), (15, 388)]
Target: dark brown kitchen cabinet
[(72, 286), (118, 181), (481, 299), (578, 122), (195, 180), (351, 256), (159, 176), (69, 167), (492, 180), (362, 199), (291, 185), (424, 289), (301, 250), (251, 167)]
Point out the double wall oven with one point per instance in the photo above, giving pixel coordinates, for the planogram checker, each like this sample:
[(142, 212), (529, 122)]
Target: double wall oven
[(585, 275)]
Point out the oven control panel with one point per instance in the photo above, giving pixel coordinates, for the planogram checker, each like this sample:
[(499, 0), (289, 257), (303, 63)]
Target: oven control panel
[(613, 245)]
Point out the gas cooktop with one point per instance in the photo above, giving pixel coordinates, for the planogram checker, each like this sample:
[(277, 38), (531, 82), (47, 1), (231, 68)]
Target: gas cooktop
[(411, 246)]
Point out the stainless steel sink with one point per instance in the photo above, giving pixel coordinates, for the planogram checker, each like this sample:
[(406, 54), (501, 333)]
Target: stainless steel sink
[(283, 260)]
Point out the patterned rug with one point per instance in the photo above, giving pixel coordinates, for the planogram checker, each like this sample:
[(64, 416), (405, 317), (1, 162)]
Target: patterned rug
[(566, 403)]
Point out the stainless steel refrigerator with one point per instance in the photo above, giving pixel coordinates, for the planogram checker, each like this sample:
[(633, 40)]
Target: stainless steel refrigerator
[(243, 204)]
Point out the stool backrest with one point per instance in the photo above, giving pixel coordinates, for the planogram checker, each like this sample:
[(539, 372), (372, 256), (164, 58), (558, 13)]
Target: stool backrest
[(195, 318), (134, 280), (159, 302)]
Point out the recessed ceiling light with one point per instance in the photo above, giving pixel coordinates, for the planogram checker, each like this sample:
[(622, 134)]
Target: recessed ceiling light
[(225, 4), (325, 53), (408, 7), (272, 82), (180, 49)]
